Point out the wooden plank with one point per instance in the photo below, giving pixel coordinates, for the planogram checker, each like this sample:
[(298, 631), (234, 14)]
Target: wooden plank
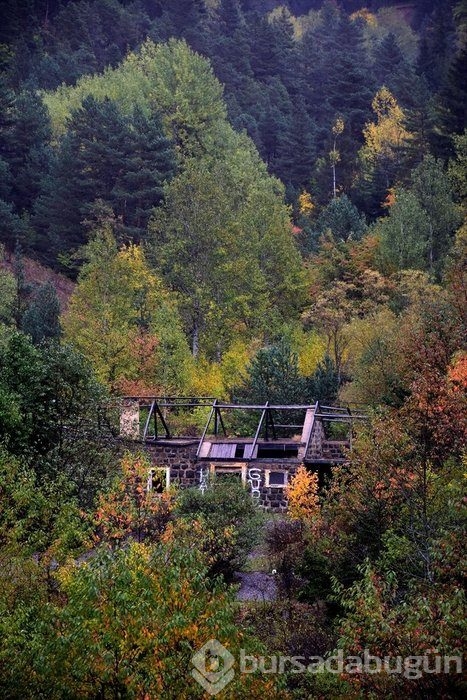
[(308, 422), (204, 451), (250, 451), (223, 450), (213, 408)]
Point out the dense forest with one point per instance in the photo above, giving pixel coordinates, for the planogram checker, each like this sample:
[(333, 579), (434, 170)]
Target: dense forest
[(258, 201)]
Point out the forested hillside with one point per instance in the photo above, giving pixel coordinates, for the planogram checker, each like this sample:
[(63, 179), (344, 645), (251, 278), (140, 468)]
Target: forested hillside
[(259, 201)]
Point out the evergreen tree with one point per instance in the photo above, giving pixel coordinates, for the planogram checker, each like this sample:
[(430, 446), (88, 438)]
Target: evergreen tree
[(149, 163), (324, 382), (40, 320), (454, 97), (5, 180), (230, 16), (421, 118), (287, 56), (338, 79), (186, 17), (12, 227), (24, 146), (343, 219), (273, 376), (58, 212), (389, 60), (435, 46), (29, 150), (90, 158), (296, 150), (105, 156), (7, 104), (266, 59), (230, 50)]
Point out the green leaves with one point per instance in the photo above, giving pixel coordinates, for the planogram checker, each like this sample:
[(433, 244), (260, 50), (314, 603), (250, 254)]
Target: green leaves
[(405, 234), (223, 242), (229, 523), (124, 321), (125, 623)]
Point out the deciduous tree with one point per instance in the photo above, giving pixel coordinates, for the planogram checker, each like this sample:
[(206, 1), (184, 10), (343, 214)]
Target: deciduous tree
[(124, 321), (302, 495)]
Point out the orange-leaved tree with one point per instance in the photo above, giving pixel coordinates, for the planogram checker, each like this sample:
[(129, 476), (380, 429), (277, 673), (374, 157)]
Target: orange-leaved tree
[(302, 494), (129, 508)]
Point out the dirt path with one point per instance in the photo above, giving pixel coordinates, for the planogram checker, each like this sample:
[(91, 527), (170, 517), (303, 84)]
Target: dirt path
[(256, 586)]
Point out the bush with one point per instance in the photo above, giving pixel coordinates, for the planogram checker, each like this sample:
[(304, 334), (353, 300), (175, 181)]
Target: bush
[(230, 519)]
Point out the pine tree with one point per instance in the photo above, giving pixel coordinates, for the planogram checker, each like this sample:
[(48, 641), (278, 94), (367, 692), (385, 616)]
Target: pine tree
[(273, 376), (343, 219), (338, 79), (296, 150), (12, 227), (435, 46), (149, 164), (230, 16), (389, 60), (324, 382), (30, 151), (265, 60), (90, 158), (120, 161), (40, 320)]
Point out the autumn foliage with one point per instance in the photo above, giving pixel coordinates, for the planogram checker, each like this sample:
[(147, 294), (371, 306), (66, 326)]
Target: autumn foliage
[(129, 508), (302, 494)]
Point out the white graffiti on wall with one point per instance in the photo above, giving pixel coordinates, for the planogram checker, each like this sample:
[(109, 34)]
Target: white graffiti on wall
[(149, 482), (203, 479), (254, 479)]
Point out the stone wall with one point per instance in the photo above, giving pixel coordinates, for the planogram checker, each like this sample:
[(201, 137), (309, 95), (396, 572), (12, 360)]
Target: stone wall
[(273, 498), (180, 458), (333, 450), (315, 447), (187, 471), (322, 450)]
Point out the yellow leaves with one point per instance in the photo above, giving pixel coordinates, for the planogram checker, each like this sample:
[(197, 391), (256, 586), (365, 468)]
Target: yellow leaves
[(338, 126), (302, 494), (128, 508), (311, 349), (389, 132), (363, 14), (122, 319), (207, 379), (385, 105), (234, 363), (305, 204), (334, 156), (218, 378)]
